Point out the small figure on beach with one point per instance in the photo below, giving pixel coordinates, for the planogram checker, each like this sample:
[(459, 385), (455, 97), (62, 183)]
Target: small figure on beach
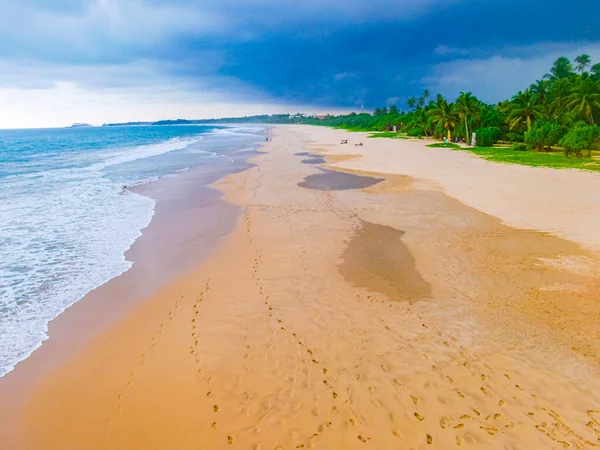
[(344, 141)]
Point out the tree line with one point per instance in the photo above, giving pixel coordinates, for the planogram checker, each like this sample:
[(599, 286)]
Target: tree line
[(561, 109)]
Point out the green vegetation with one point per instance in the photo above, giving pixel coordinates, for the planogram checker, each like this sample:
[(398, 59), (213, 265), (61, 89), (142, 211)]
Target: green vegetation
[(444, 145), (555, 160), (389, 135), (552, 123)]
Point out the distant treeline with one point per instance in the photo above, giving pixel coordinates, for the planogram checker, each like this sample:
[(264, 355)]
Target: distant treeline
[(266, 119), (562, 108)]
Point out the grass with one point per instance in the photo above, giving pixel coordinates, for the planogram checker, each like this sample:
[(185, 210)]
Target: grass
[(389, 135), (555, 160), (442, 145)]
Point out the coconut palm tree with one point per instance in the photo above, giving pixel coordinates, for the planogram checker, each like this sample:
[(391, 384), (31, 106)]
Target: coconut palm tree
[(583, 62), (443, 113), (411, 102), (539, 90), (523, 109), (558, 94), (595, 71), (562, 68), (585, 98), (466, 106)]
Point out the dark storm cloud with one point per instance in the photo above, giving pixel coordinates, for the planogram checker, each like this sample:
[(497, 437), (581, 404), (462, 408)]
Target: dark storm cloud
[(325, 53)]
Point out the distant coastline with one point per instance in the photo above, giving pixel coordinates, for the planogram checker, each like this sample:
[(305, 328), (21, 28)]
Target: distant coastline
[(280, 119)]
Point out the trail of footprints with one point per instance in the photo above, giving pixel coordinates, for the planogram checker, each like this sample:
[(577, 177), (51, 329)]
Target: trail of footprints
[(491, 422), (312, 356), (545, 420), (122, 395)]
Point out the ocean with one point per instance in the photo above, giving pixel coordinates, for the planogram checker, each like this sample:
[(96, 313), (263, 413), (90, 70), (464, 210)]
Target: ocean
[(67, 216)]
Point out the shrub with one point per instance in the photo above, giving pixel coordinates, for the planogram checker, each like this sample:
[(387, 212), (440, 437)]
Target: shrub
[(579, 139), (544, 135), (486, 137), (415, 131), (515, 137), (520, 147)]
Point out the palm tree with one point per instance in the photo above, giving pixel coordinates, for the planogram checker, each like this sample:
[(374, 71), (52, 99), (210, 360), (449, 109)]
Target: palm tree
[(523, 109), (411, 102), (466, 106), (443, 113), (539, 90), (585, 98), (562, 68), (583, 62), (558, 94), (595, 70)]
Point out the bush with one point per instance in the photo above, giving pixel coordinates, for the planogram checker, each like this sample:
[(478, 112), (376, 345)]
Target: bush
[(520, 147), (544, 135), (579, 139), (515, 137), (486, 137), (415, 131)]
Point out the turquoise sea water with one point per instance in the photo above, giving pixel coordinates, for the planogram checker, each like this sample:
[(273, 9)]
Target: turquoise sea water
[(66, 218)]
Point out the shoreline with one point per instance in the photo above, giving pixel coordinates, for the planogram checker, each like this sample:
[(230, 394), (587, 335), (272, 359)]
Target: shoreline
[(187, 194), (336, 288)]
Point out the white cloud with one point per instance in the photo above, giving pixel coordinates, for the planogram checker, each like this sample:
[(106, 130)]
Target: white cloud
[(66, 103)]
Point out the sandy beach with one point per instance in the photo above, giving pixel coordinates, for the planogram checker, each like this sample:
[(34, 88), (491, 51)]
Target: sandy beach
[(389, 296)]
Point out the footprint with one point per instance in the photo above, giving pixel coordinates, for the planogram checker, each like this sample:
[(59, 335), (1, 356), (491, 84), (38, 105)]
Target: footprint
[(429, 439), (230, 439), (216, 408), (419, 416)]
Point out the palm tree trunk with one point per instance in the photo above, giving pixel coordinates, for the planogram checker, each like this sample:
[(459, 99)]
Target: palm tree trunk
[(467, 131), (528, 123)]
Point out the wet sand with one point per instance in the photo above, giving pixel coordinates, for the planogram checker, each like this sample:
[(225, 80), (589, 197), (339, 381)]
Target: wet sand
[(330, 180), (189, 222), (313, 161), (380, 316)]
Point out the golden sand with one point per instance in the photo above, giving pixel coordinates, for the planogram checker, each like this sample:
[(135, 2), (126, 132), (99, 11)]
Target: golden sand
[(393, 317)]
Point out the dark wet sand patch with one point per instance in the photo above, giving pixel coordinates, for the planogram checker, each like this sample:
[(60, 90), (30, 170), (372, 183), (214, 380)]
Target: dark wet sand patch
[(330, 180), (378, 260), (302, 154), (316, 160)]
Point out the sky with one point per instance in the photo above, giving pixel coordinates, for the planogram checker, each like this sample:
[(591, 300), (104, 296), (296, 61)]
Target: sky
[(97, 61)]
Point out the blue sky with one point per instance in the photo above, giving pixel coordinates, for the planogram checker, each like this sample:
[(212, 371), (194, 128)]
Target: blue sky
[(63, 61)]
